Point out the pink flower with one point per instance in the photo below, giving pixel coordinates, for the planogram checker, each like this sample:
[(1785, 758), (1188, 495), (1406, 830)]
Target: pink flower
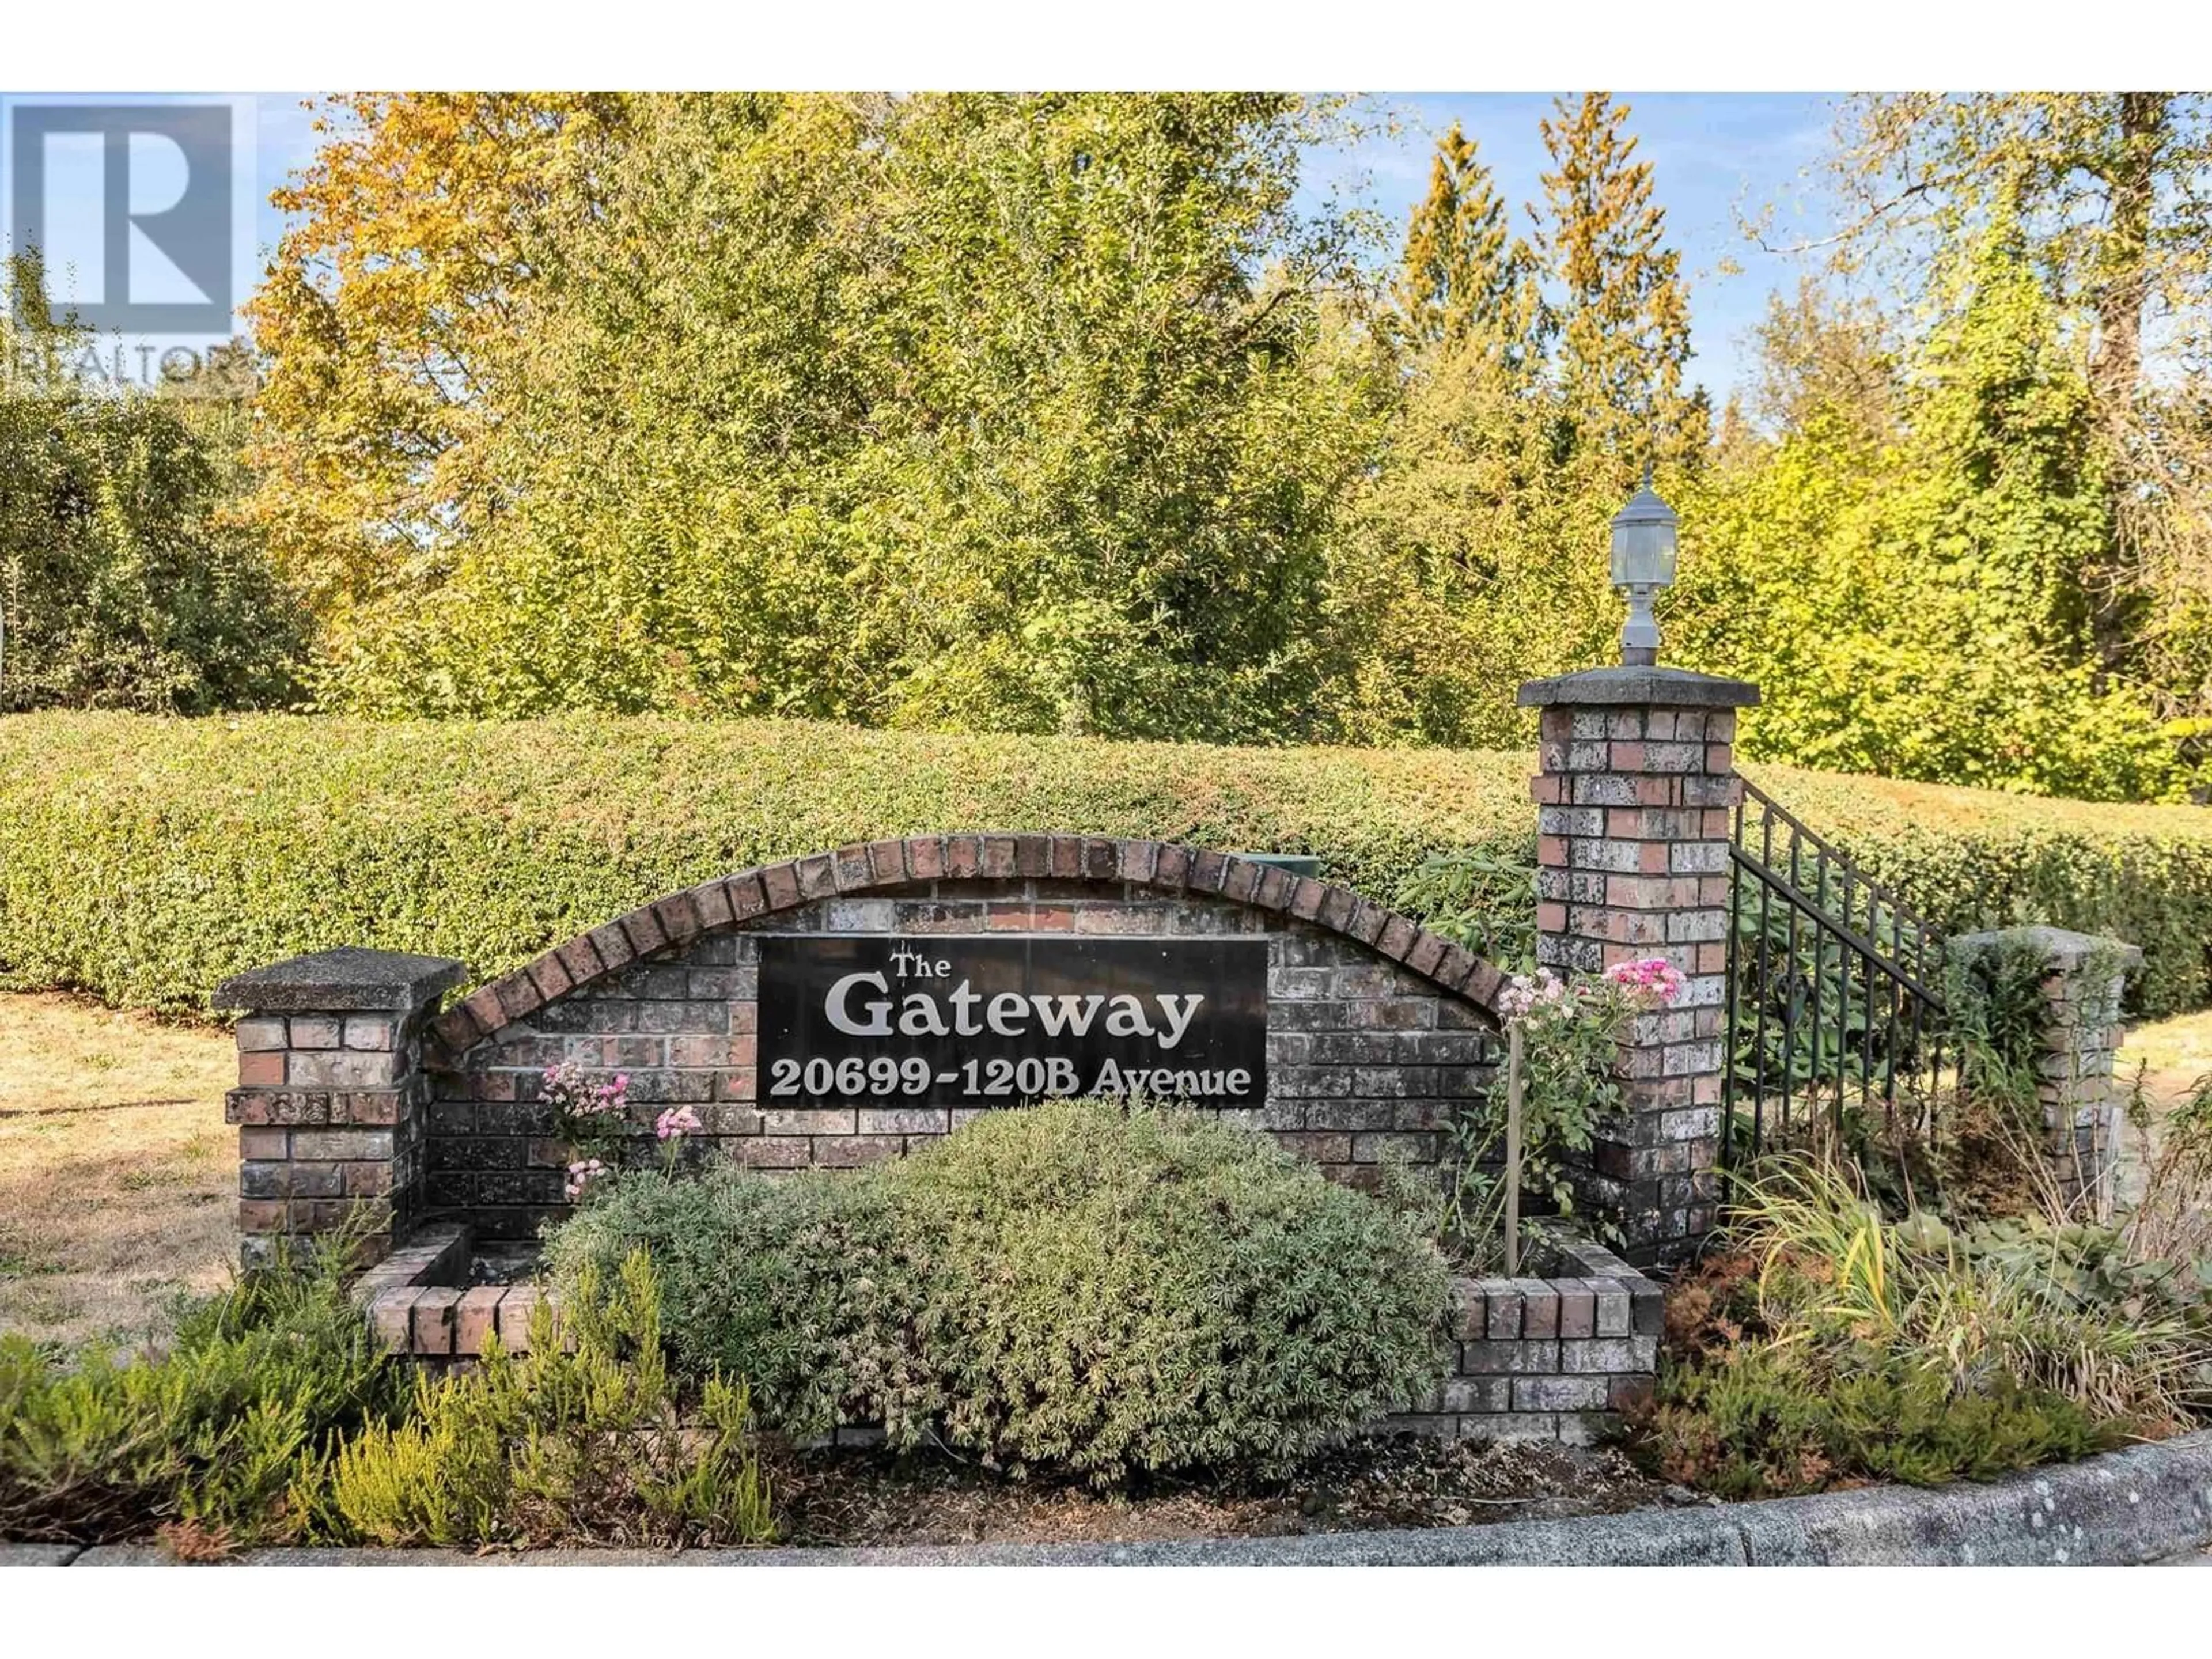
[(1657, 978), (677, 1120), (582, 1174), (1525, 996)]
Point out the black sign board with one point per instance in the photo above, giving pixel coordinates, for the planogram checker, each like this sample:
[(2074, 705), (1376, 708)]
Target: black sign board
[(968, 1021)]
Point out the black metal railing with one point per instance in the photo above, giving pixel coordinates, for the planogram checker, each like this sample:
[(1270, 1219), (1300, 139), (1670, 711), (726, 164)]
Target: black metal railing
[(1834, 990)]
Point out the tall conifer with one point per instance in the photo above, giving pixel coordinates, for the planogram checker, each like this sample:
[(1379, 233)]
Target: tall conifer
[(1464, 274), (1618, 304)]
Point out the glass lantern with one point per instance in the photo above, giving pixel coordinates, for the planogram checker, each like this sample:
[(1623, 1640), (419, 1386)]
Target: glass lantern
[(1644, 549)]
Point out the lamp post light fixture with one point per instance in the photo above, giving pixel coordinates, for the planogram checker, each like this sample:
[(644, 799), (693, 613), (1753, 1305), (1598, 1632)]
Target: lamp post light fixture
[(1643, 562)]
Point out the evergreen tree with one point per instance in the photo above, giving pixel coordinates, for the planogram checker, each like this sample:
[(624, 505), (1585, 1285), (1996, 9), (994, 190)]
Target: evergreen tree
[(1461, 274), (1621, 309)]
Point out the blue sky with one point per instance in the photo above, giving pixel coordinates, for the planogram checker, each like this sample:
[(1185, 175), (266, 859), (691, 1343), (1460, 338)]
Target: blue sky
[(1713, 155)]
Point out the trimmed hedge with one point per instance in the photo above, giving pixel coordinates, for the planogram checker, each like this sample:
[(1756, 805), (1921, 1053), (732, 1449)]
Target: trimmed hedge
[(144, 859), (1967, 858)]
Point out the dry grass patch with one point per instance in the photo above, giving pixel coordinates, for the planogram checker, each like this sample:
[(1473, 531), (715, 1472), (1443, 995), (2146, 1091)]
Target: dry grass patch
[(2176, 1052), (118, 1175), (2171, 1055)]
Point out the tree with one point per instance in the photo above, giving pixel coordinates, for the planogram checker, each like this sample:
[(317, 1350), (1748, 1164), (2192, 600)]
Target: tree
[(1823, 357), (1901, 567), (1475, 546), (946, 409), (1474, 558), (409, 253), (2110, 191), (1619, 309), (120, 587), (1460, 272), (2112, 195)]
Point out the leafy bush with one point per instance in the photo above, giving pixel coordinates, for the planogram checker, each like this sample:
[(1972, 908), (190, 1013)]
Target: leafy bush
[(583, 1440), (144, 860), (122, 583), (275, 1417), (1765, 1421), (1840, 1345), (1155, 1289), (213, 1433), (1483, 897), (1070, 1285), (800, 1283), (1572, 1031)]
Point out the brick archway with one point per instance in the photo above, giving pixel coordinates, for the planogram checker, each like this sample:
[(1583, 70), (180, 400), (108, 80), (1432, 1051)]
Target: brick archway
[(867, 868)]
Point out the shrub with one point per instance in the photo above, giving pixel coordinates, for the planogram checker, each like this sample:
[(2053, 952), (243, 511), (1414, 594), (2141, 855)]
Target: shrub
[(798, 1283), (1573, 1032), (1070, 1285), (1764, 1421), (213, 1433), (144, 860), (583, 1440), (1153, 1289), (1839, 1344), (2173, 1220), (2059, 1306)]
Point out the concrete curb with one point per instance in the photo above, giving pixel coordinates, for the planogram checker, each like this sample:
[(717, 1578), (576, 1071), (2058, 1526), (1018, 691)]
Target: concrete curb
[(2123, 1509), (39, 1555)]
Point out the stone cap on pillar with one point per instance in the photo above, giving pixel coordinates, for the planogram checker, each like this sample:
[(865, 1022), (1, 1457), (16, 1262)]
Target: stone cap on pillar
[(1621, 687), (2061, 947), (347, 980)]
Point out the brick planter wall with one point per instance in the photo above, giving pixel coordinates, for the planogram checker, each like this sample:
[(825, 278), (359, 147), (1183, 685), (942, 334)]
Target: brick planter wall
[(1560, 1357)]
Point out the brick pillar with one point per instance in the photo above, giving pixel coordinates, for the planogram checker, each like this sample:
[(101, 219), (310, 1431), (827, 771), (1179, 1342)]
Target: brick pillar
[(1634, 797), (330, 1095), (2078, 1094)]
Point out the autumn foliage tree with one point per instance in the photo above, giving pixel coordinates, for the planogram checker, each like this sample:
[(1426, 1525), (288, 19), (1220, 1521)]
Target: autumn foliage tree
[(403, 278), (949, 409), (1462, 273)]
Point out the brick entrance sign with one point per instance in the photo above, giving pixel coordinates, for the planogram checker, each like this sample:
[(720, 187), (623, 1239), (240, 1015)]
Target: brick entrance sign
[(938, 976), (853, 1005)]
